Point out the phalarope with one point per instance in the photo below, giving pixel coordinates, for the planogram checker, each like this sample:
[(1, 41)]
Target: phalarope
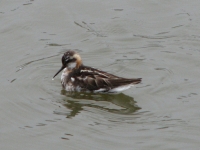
[(84, 78)]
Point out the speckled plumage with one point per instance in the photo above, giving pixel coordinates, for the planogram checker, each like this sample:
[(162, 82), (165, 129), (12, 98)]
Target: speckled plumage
[(84, 78)]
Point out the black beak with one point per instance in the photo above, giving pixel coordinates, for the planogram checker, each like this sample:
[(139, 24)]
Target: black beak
[(58, 71)]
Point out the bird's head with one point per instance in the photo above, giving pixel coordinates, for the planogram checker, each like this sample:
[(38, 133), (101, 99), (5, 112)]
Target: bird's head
[(68, 58)]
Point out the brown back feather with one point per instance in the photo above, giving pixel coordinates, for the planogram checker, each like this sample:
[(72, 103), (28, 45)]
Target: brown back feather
[(94, 79)]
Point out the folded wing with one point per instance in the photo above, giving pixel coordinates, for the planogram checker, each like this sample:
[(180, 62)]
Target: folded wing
[(94, 79)]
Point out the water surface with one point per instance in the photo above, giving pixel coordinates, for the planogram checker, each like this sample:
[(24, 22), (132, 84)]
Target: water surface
[(156, 40)]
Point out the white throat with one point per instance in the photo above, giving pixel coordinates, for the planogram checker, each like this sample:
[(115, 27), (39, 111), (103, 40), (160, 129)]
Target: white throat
[(64, 74), (72, 65)]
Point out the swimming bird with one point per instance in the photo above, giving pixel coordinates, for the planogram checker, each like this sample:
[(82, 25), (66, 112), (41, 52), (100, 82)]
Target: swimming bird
[(84, 78)]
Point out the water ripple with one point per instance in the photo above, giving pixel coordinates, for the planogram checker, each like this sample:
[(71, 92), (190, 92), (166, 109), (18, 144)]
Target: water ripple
[(153, 37)]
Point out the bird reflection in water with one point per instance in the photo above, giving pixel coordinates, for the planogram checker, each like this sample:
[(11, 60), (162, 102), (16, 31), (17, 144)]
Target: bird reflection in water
[(75, 101)]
